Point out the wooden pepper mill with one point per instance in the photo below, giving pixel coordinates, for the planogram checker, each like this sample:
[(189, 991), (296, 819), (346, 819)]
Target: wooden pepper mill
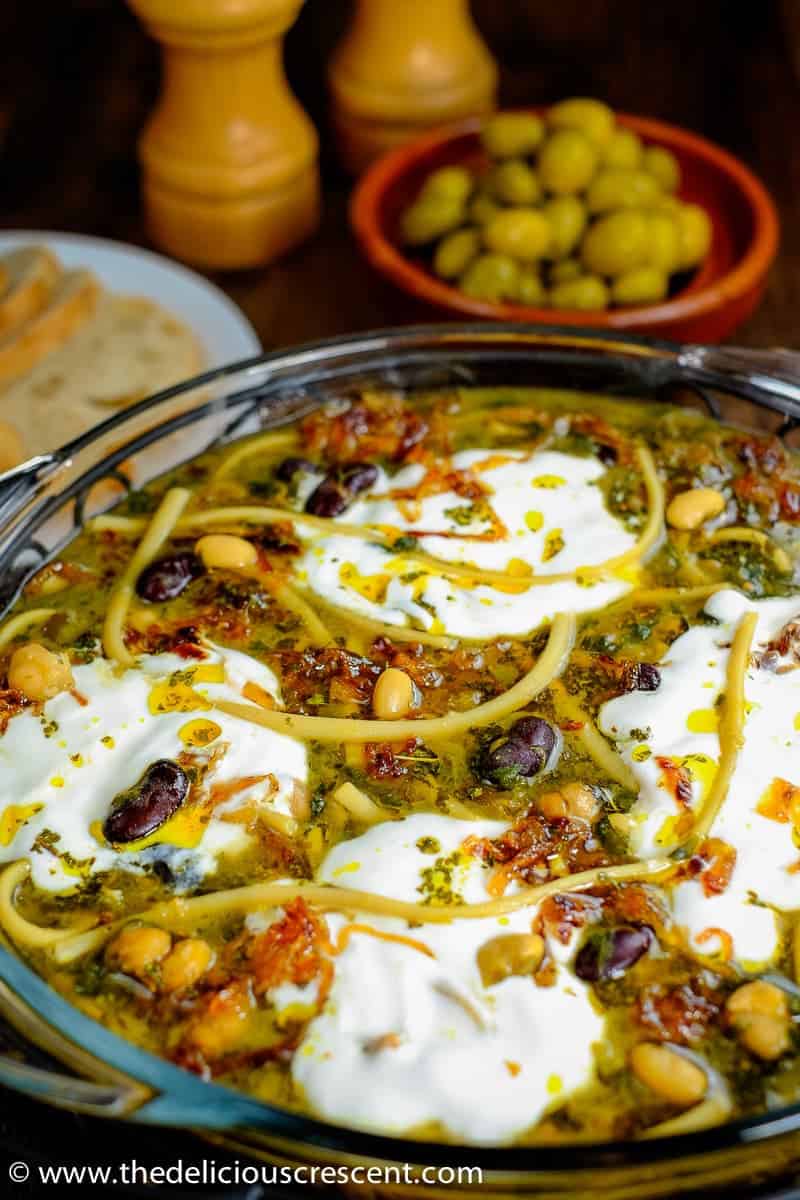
[(403, 67), (229, 157)]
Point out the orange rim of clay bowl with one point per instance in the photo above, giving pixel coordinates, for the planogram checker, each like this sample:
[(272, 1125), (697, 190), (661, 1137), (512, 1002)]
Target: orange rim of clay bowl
[(720, 294)]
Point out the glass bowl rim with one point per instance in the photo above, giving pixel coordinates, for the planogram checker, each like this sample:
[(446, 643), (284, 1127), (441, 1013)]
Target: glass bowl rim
[(182, 1099)]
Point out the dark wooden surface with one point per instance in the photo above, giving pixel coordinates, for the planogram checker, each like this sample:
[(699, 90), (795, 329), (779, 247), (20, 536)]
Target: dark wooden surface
[(77, 79)]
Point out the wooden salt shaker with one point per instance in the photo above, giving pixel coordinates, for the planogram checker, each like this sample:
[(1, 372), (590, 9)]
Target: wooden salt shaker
[(402, 68), (229, 157)]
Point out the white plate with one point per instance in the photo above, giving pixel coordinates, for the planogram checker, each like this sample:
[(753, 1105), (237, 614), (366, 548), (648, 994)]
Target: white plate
[(222, 328)]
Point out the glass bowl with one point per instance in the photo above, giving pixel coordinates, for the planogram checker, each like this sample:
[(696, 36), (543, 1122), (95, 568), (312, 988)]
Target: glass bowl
[(61, 1056)]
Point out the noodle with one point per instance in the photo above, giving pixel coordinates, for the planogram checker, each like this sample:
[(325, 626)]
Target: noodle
[(450, 570), (342, 729), (731, 725), (21, 931), (592, 739), (653, 526), (184, 916), (288, 597), (396, 633), (275, 440), (22, 621), (159, 529)]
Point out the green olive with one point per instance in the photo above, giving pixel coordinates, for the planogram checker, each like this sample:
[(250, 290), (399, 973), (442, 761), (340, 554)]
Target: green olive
[(455, 252), (694, 232), (491, 277), (667, 203), (591, 117), (643, 285), (530, 289), (522, 233), (513, 182), (615, 243), (617, 187), (624, 149), (511, 134), (565, 270), (453, 183), (482, 208), (430, 217), (663, 165), (663, 241), (588, 293), (567, 162), (567, 217)]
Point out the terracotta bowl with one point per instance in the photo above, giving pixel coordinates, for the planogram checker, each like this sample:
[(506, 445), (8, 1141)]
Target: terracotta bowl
[(717, 298)]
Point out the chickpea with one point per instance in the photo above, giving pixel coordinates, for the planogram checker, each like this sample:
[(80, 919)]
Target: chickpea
[(521, 233), (663, 165), (668, 1074), (138, 948), (455, 252), (187, 962), (574, 801), (591, 117), (509, 954), (226, 551), (643, 285), (759, 1013), (623, 149), (393, 695), (688, 510), (511, 134), (567, 162), (39, 673), (582, 803)]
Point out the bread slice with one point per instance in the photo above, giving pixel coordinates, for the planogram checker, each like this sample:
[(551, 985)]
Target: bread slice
[(130, 349), (31, 274), (72, 302)]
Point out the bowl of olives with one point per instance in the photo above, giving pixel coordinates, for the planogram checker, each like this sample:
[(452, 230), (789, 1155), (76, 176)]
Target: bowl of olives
[(571, 215)]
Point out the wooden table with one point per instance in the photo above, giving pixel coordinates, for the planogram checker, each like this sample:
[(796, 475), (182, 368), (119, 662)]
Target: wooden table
[(77, 80)]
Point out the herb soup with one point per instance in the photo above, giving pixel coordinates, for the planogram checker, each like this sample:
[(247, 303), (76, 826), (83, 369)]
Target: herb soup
[(436, 736)]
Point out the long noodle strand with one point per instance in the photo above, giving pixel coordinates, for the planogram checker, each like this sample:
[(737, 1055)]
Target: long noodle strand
[(185, 915), (159, 529), (731, 725), (342, 729), (23, 621), (592, 739)]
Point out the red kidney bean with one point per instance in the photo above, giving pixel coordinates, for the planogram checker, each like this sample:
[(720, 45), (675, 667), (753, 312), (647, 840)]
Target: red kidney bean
[(610, 955), (167, 577), (290, 467), (336, 491), (521, 754), (148, 804), (646, 677)]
